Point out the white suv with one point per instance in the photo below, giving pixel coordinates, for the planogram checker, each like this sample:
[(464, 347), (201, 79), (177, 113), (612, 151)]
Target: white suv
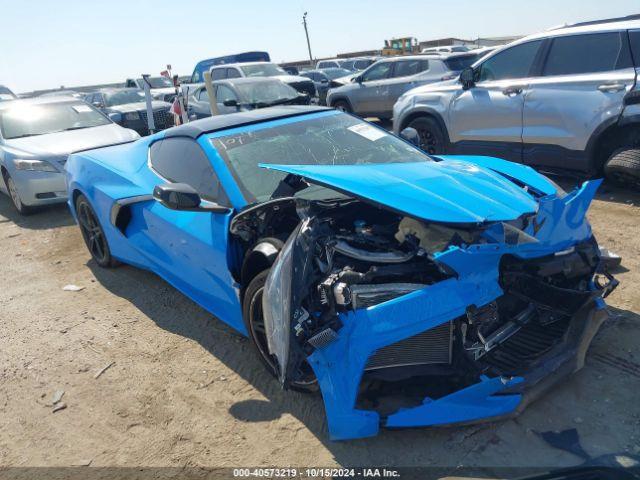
[(566, 99)]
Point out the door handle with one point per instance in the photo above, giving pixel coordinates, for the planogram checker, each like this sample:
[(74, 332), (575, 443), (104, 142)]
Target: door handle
[(513, 90), (611, 87)]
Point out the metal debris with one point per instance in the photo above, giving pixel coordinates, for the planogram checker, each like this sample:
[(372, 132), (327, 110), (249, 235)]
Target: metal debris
[(103, 369)]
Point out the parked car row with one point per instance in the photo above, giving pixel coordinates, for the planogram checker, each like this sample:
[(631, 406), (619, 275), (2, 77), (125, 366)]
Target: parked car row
[(564, 100), (373, 92), (240, 94)]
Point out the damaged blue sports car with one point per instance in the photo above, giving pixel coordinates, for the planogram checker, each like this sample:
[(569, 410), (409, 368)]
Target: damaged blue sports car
[(409, 290)]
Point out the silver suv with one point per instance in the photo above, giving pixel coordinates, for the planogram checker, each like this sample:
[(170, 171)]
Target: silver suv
[(565, 99), (373, 92)]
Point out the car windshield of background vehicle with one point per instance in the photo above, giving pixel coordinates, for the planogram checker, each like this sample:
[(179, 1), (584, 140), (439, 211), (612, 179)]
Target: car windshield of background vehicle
[(262, 70), (124, 97), (26, 120), (266, 92), (158, 82), (461, 62), (597, 52), (514, 62), (329, 139)]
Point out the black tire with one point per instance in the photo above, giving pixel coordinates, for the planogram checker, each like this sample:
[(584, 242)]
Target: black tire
[(342, 105), (20, 207), (623, 167), (254, 323), (93, 234), (432, 139)]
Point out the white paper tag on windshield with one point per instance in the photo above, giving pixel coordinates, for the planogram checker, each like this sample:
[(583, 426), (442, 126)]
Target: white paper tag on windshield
[(82, 108), (367, 131)]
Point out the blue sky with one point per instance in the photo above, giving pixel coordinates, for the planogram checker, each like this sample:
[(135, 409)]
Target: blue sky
[(48, 43)]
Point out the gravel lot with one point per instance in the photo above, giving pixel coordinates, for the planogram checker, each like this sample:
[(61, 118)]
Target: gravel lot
[(182, 389)]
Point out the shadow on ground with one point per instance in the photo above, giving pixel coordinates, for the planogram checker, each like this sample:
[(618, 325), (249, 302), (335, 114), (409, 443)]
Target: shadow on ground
[(44, 218)]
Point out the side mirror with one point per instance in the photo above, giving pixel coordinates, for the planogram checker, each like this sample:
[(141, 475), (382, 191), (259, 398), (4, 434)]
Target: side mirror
[(183, 197), (97, 104), (324, 80), (411, 135), (467, 78), (358, 79), (231, 103)]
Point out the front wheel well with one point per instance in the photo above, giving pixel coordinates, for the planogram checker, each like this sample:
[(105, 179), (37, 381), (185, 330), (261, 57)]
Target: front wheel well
[(415, 115), (340, 99), (260, 258)]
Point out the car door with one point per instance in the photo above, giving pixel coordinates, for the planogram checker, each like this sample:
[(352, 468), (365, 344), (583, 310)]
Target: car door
[(189, 249), (364, 97), (402, 79), (487, 118), (581, 89)]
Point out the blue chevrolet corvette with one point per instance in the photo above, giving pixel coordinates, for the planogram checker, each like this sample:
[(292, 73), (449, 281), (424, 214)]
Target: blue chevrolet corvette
[(410, 290)]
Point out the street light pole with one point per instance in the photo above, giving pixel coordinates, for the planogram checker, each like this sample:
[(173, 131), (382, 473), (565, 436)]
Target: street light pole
[(306, 32)]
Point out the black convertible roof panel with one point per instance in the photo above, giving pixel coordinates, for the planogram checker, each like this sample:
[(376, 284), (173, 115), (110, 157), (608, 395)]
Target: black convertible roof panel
[(232, 120)]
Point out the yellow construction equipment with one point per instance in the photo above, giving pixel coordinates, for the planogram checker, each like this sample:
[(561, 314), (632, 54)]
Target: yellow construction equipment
[(401, 46)]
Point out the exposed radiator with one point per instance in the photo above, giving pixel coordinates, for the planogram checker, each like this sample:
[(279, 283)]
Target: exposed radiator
[(432, 346)]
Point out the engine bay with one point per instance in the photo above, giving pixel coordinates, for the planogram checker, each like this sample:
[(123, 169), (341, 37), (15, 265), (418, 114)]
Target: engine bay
[(351, 255)]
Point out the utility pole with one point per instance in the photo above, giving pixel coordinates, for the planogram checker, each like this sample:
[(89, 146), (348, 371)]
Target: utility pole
[(306, 32)]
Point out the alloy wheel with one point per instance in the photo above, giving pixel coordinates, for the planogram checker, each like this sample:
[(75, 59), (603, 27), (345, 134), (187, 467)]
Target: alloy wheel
[(428, 141), (13, 193), (92, 233)]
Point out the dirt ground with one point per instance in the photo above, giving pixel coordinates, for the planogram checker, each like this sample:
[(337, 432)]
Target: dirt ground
[(182, 389)]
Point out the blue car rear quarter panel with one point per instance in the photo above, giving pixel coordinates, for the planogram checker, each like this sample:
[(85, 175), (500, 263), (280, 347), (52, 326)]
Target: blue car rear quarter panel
[(339, 366)]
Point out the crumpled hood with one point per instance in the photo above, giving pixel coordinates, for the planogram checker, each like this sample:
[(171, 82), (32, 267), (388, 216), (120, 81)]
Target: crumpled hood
[(450, 191), (64, 143)]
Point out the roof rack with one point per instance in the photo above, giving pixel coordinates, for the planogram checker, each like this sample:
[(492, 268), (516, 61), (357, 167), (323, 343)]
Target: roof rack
[(597, 22)]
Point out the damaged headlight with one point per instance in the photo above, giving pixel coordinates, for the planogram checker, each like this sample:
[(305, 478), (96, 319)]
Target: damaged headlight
[(33, 165)]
